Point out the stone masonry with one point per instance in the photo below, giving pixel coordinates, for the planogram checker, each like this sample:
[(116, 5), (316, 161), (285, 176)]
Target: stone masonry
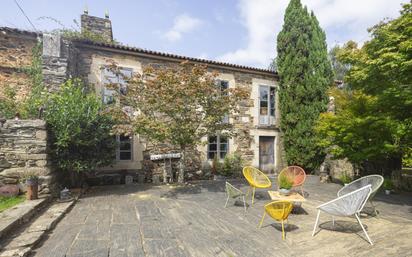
[(23, 145)]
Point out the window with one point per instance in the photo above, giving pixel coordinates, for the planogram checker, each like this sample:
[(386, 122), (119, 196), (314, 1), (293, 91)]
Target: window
[(111, 78), (224, 86), (267, 96), (218, 146), (124, 148)]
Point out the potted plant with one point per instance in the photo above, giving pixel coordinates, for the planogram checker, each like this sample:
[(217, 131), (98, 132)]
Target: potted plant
[(388, 186), (32, 185), (345, 179), (285, 184)]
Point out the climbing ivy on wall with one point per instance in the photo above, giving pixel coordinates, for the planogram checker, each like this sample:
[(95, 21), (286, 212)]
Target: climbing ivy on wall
[(26, 107)]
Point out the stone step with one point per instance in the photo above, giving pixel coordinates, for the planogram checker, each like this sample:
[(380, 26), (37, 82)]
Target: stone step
[(22, 242), (11, 219)]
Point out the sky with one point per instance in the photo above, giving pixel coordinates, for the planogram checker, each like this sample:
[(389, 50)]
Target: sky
[(235, 31)]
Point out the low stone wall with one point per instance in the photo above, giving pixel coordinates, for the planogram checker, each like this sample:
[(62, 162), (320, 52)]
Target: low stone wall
[(23, 149)]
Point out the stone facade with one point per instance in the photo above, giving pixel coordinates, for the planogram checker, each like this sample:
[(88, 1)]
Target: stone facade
[(63, 58), (24, 149), (247, 129)]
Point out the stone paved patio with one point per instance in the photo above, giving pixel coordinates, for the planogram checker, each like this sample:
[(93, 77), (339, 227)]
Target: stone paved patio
[(165, 220)]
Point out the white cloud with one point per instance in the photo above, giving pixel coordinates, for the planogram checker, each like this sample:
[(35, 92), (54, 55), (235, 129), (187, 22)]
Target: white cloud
[(182, 24), (341, 19)]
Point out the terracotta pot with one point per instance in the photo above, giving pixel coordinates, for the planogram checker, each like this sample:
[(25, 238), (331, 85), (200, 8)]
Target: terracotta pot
[(32, 189)]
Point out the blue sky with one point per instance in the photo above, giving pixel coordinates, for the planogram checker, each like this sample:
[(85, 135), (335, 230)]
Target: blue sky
[(235, 31)]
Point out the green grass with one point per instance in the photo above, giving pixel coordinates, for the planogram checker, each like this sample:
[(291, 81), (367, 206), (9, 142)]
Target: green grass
[(8, 202)]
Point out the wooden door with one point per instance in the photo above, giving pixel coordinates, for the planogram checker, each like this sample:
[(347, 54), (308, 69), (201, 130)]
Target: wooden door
[(266, 154)]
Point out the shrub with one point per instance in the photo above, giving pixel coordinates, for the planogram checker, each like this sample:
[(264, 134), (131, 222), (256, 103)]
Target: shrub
[(285, 182), (407, 158), (79, 130), (231, 166), (345, 178), (388, 184)]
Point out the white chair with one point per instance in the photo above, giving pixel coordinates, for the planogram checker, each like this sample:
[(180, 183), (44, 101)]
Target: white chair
[(233, 192), (346, 205), (375, 181)]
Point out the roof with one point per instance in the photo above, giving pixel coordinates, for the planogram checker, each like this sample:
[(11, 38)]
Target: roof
[(174, 56), (150, 52), (20, 31)]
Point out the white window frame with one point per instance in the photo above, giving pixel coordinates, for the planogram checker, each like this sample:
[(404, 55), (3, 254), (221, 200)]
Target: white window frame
[(267, 119)]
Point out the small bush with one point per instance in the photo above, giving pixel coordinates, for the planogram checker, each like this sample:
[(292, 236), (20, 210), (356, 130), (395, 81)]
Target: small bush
[(388, 184), (231, 166), (285, 182), (345, 178), (80, 130)]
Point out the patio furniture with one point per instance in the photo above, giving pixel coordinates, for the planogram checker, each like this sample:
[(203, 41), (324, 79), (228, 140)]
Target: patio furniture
[(292, 197), (375, 181), (294, 173), (279, 211), (233, 192), (345, 206), (256, 179)]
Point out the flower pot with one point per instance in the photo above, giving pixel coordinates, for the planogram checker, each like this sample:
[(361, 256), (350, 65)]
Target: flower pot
[(284, 191), (387, 192), (32, 186)]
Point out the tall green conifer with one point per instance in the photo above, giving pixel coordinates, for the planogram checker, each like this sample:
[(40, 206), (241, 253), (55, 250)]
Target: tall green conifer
[(305, 74)]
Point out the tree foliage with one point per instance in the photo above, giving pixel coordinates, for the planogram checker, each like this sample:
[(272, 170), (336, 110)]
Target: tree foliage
[(375, 119), (305, 74), (80, 131), (178, 106)]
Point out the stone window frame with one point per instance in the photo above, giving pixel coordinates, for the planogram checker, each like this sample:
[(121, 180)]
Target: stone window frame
[(119, 150), (218, 152), (106, 79), (117, 79), (220, 83), (270, 117)]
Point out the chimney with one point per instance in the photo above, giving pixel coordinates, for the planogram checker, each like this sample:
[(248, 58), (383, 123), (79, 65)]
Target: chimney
[(96, 25)]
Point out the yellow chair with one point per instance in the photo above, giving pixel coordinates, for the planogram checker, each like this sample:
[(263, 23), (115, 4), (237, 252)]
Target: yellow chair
[(256, 179), (278, 210)]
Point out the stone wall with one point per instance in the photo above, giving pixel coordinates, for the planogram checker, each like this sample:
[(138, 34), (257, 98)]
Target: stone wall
[(15, 54), (24, 149), (59, 61), (97, 25)]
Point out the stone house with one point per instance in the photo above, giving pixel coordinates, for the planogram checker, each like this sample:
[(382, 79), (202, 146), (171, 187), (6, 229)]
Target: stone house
[(257, 137)]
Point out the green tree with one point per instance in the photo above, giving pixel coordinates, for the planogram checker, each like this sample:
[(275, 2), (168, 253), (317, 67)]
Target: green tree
[(178, 106), (376, 122), (80, 131), (305, 75)]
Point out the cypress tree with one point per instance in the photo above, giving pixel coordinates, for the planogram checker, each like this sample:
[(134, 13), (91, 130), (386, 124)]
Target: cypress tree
[(305, 74)]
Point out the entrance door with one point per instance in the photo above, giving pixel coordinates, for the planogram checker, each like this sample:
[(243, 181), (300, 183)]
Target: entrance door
[(266, 154)]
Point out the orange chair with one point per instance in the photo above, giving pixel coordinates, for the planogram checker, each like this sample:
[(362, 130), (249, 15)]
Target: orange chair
[(296, 174), (278, 210)]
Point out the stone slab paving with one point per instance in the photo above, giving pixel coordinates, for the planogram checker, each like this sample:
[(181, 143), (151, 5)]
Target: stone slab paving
[(143, 220), (21, 213), (21, 241)]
